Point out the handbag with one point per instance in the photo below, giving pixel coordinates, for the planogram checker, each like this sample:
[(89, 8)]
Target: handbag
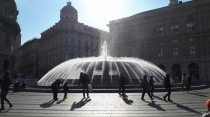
[(90, 88)]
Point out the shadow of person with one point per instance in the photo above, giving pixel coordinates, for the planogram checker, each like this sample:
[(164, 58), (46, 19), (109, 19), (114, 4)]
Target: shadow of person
[(197, 94), (80, 104), (157, 106), (5, 111), (47, 104), (60, 101), (126, 100), (186, 108), (156, 97)]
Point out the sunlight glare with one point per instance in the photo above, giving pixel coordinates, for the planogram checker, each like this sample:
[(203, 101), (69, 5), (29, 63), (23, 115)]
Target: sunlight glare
[(103, 8)]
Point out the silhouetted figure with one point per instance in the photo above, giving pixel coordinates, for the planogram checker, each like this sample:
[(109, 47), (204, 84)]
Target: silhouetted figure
[(184, 82), (189, 78), (84, 80), (55, 87), (167, 84), (145, 86), (65, 90), (5, 83), (122, 82), (23, 85), (151, 84)]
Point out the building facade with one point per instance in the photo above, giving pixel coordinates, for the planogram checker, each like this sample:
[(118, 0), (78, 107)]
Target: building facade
[(28, 58), (68, 39), (9, 41), (175, 38)]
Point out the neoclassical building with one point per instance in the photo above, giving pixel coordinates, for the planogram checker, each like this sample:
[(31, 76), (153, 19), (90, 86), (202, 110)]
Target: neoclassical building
[(68, 39), (176, 38), (9, 36), (28, 58)]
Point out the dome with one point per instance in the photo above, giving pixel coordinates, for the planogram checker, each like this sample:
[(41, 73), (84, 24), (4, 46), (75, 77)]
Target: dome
[(68, 12), (9, 9)]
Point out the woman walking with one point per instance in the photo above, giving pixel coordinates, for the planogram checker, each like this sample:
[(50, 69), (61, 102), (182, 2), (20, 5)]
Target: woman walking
[(5, 83)]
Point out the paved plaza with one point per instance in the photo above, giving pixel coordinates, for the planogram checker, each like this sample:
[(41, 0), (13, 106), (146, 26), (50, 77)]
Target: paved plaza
[(191, 104)]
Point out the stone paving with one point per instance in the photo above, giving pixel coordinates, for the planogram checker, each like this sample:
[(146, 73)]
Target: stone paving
[(33, 104)]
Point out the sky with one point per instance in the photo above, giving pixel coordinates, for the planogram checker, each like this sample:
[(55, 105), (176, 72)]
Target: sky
[(36, 16)]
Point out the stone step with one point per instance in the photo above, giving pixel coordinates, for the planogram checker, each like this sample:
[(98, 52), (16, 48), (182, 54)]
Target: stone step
[(78, 89)]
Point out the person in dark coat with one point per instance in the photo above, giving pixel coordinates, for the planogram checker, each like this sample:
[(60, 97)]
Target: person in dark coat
[(167, 84), (55, 87), (145, 86), (151, 85), (122, 82), (65, 90), (189, 78), (5, 82), (84, 80)]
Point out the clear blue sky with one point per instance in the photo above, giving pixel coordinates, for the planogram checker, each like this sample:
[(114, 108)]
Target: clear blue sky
[(36, 16)]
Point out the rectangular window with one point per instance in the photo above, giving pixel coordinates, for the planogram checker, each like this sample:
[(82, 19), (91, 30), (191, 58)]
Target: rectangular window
[(160, 54), (190, 26), (175, 41), (191, 39), (174, 29), (176, 51), (192, 50)]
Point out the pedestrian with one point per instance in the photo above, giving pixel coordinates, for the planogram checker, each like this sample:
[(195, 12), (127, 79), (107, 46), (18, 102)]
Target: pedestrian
[(55, 87), (145, 86), (189, 78), (5, 82), (207, 114), (122, 82), (65, 90), (84, 80), (184, 82), (167, 84), (151, 85)]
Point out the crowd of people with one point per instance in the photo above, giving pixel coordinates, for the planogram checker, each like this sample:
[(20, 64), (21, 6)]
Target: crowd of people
[(146, 84)]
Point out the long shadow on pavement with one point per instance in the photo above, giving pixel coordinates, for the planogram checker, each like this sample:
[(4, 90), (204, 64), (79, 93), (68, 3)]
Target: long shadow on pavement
[(157, 106), (197, 94), (186, 108), (61, 101), (126, 100), (47, 104), (181, 106), (80, 104)]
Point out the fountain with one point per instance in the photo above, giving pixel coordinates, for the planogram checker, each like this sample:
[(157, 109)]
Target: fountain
[(103, 70)]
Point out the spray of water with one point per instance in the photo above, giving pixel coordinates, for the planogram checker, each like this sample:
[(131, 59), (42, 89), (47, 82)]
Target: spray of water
[(103, 69)]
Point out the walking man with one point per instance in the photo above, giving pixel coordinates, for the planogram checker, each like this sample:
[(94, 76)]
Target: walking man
[(189, 82), (145, 86), (151, 85), (167, 84), (84, 80), (55, 87), (65, 89), (122, 82), (5, 82)]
